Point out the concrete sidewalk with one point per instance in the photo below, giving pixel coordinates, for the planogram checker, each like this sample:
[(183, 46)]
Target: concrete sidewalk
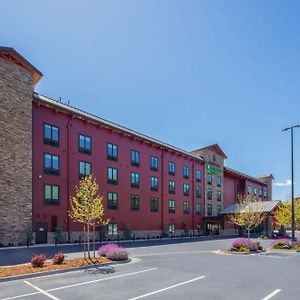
[(19, 255)]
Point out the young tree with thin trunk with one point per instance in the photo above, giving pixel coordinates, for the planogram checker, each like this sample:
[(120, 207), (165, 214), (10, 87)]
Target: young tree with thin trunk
[(248, 213), (86, 207)]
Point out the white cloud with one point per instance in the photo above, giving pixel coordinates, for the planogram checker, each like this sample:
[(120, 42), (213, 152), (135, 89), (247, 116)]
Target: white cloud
[(288, 182)]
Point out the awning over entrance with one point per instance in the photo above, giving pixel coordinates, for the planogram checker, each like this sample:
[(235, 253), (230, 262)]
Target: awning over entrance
[(264, 206)]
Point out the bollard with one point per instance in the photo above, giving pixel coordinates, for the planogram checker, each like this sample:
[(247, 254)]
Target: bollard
[(181, 235), (79, 239), (118, 238), (148, 236), (55, 241), (134, 237)]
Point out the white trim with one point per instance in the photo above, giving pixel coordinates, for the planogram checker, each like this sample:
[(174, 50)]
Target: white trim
[(167, 288), (272, 294)]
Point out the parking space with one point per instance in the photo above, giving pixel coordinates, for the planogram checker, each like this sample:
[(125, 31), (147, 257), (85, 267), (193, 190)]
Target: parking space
[(178, 271)]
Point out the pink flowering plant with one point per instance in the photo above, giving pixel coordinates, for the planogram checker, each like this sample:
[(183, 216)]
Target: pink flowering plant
[(113, 252), (244, 245), (281, 244)]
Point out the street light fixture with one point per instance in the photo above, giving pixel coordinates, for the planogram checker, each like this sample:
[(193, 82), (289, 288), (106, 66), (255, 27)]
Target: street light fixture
[(292, 167)]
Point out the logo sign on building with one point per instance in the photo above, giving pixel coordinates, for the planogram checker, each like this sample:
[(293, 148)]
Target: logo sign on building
[(213, 169)]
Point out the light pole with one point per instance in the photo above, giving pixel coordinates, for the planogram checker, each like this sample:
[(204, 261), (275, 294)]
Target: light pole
[(292, 167)]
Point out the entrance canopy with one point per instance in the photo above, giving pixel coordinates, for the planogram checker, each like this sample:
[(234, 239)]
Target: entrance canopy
[(263, 206)]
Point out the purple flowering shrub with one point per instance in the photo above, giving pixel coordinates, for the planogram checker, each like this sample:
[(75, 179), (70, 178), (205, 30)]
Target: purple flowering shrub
[(113, 252), (281, 244), (103, 250), (243, 245), (118, 254)]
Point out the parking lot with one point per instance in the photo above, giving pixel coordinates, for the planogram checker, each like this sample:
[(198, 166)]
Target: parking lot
[(178, 271)]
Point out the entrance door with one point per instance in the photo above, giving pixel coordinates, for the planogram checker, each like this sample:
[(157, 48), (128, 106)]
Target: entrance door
[(41, 230), (212, 228)]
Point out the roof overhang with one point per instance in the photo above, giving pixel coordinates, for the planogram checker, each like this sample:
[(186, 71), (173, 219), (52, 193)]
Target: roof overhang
[(241, 175), (261, 206), (11, 55)]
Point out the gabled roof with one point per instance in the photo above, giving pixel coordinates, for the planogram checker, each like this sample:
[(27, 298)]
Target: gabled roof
[(213, 147), (262, 206), (10, 54), (265, 176), (242, 175), (128, 132)]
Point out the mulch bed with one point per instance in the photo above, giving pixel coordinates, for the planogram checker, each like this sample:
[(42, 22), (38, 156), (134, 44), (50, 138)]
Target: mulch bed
[(48, 266)]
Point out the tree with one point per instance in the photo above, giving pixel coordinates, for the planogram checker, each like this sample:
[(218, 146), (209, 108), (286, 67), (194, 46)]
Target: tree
[(87, 208), (248, 213), (283, 214)]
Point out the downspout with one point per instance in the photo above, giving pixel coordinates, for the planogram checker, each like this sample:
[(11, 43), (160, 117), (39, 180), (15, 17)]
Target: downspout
[(68, 176), (193, 196), (162, 190)]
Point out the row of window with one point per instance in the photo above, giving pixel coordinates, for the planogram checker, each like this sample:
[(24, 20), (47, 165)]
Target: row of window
[(260, 191), (51, 196), (51, 166), (209, 209), (209, 195), (51, 137), (210, 179)]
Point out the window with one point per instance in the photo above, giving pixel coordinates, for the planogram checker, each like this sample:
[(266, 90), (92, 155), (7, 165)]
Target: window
[(186, 189), (209, 194), (186, 172), (51, 194), (112, 152), (112, 229), (135, 158), (198, 175), (198, 191), (265, 194), (154, 204), (219, 209), (219, 196), (51, 135), (154, 163), (171, 186), (171, 228), (51, 164), (198, 209), (85, 144), (154, 183), (135, 179), (209, 178), (85, 169), (260, 192), (112, 175), (171, 168), (186, 207), (219, 181), (249, 189), (112, 200), (209, 209), (135, 202), (255, 191), (171, 206)]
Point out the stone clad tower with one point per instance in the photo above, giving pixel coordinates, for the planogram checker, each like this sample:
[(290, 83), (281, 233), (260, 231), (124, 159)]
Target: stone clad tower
[(17, 80)]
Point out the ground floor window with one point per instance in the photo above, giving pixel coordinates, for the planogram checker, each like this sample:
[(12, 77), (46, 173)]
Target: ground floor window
[(112, 229), (171, 228)]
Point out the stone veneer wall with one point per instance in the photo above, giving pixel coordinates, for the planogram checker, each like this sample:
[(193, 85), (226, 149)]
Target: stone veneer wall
[(16, 91), (208, 157)]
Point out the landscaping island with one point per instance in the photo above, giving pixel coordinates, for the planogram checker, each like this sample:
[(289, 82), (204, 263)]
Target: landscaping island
[(40, 263)]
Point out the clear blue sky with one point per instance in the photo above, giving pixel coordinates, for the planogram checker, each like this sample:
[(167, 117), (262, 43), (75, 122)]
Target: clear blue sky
[(190, 73)]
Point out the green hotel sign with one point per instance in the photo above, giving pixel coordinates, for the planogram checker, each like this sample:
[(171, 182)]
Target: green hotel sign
[(213, 169)]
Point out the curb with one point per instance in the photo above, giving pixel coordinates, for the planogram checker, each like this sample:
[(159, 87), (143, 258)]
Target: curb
[(46, 273)]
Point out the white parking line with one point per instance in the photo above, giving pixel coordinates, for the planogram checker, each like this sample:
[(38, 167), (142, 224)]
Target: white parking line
[(81, 283), (167, 288), (272, 294), (41, 291)]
